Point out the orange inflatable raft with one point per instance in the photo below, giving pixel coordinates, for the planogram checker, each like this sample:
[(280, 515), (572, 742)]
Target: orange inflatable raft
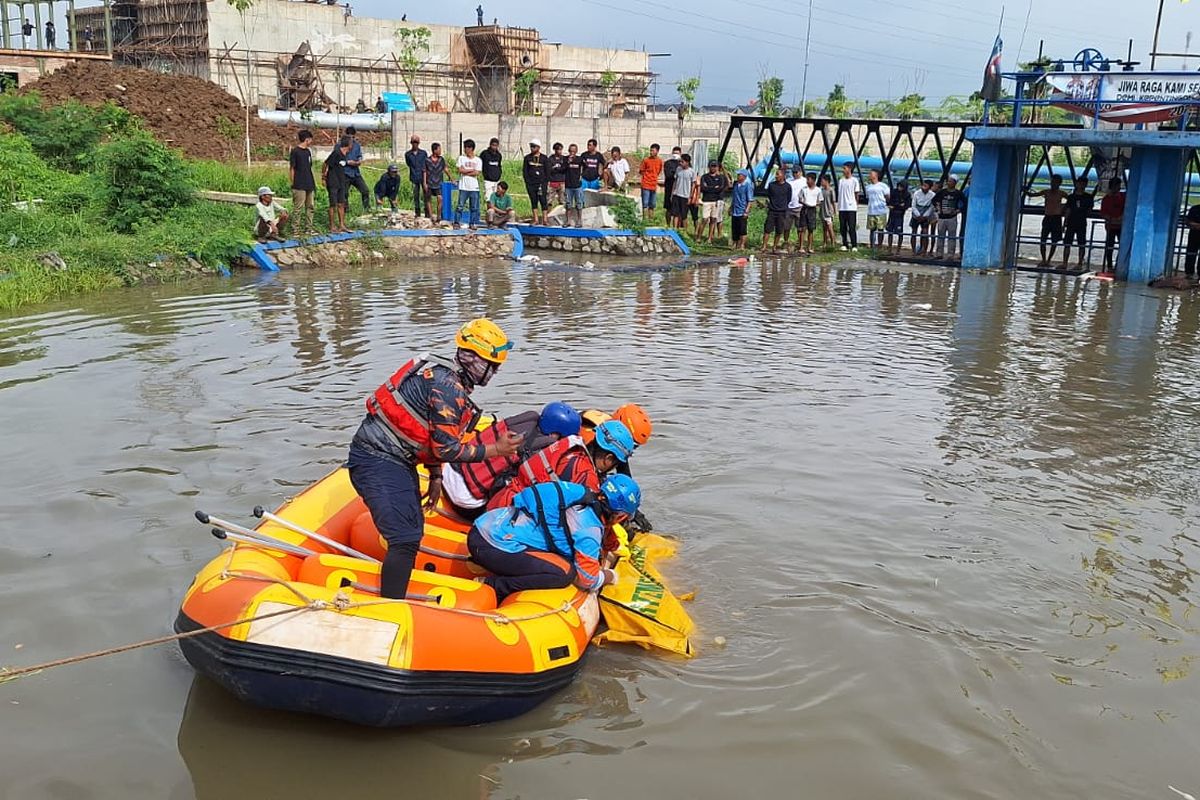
[(299, 626)]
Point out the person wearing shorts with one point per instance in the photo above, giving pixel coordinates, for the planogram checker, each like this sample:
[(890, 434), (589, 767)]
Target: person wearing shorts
[(1079, 205), (337, 183), (648, 171), (557, 191), (898, 205), (810, 205), (681, 192), (779, 194), (593, 166), (878, 195), (573, 183), (714, 185), (828, 213), (739, 207), (1052, 217), (922, 217)]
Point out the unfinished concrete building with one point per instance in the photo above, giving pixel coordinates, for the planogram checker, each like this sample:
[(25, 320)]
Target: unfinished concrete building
[(296, 54)]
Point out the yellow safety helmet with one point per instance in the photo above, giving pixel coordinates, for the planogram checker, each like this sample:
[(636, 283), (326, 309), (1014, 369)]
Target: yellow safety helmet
[(484, 337)]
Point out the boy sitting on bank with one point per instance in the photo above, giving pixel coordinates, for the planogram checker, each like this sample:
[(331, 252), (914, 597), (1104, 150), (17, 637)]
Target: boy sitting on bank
[(500, 206), (271, 216)]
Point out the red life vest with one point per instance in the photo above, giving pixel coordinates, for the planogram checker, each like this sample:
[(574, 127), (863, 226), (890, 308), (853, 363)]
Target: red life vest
[(481, 477), (408, 426), (544, 466)]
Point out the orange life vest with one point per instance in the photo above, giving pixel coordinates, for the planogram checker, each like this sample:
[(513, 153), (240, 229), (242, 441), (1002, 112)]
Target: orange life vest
[(408, 426), (591, 419)]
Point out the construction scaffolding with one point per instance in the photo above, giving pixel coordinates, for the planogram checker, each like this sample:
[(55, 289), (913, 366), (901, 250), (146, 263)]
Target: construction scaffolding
[(484, 73)]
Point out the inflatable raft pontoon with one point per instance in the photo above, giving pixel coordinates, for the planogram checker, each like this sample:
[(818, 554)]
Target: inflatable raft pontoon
[(311, 634)]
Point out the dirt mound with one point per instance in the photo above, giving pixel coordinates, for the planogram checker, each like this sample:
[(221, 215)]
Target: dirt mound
[(192, 114)]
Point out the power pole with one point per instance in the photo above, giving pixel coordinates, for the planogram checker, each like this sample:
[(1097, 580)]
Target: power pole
[(804, 80)]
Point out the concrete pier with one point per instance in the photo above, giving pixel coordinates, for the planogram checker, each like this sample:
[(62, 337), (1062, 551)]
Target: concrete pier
[(1152, 205)]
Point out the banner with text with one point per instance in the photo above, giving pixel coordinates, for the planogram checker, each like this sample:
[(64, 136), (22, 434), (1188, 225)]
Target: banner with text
[(1129, 97)]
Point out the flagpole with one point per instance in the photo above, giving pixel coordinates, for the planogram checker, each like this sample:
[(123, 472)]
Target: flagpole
[(1157, 26), (804, 81)]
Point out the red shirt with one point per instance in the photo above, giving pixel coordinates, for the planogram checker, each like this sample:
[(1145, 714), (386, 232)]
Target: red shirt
[(650, 169), (1112, 207)]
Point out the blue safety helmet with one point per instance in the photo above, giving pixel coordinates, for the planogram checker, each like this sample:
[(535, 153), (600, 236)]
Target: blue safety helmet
[(614, 437), (621, 493), (558, 417)]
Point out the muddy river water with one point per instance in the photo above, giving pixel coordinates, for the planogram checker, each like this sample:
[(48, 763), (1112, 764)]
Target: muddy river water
[(946, 524)]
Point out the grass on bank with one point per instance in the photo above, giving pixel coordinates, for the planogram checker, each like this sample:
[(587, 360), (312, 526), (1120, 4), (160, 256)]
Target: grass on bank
[(91, 189)]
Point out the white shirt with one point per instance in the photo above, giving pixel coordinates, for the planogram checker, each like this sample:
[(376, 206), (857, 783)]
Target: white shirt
[(269, 213), (619, 169), (848, 189), (810, 197), (797, 184), (877, 197), (469, 183), (922, 204)]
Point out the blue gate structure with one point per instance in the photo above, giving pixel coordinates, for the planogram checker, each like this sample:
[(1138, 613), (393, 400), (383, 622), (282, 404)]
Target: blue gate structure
[(899, 149), (1140, 127), (1139, 119)]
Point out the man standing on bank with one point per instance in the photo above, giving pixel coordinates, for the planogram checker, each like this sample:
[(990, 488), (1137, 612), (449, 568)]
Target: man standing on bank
[(492, 160), (423, 414), (536, 171), (354, 178), (415, 158), (304, 185), (949, 203), (848, 190)]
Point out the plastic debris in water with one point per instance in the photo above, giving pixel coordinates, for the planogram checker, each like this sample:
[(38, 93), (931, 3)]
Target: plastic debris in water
[(922, 306)]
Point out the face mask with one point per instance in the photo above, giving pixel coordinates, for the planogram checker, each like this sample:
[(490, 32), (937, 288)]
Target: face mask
[(478, 369)]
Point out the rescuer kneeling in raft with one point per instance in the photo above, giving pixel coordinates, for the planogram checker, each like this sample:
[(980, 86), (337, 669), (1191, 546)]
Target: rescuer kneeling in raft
[(423, 415), (635, 418), (551, 537), (572, 461), (466, 486)]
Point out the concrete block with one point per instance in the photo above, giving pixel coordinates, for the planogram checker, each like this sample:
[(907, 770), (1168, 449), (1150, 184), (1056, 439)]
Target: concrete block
[(598, 217)]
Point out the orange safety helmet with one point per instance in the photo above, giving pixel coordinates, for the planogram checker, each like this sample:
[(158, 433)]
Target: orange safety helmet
[(637, 420)]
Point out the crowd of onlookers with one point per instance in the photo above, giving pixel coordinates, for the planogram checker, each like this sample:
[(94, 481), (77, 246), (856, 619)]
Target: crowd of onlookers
[(931, 214)]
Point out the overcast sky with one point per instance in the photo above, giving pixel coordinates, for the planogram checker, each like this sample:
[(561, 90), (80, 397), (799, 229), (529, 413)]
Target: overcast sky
[(877, 48)]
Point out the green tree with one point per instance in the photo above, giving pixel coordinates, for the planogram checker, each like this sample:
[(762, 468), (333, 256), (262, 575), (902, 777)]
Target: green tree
[(413, 51), (911, 106), (687, 89), (883, 109), (837, 104), (523, 86), (770, 93), (961, 109)]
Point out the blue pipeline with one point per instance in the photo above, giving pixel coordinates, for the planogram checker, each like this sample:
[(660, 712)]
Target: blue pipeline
[(929, 168)]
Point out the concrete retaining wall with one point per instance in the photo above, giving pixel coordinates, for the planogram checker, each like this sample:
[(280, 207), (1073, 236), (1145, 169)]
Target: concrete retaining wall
[(386, 245), (625, 245)]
